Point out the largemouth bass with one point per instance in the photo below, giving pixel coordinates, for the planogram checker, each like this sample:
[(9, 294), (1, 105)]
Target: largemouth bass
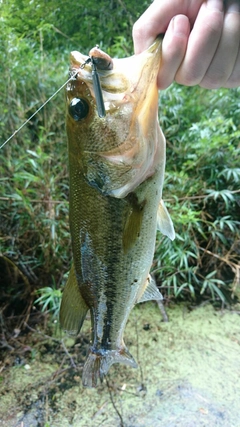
[(116, 165)]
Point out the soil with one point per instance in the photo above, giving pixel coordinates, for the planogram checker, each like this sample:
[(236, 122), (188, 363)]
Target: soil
[(188, 375)]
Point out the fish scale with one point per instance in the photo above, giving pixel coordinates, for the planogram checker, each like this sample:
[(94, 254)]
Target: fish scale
[(116, 167)]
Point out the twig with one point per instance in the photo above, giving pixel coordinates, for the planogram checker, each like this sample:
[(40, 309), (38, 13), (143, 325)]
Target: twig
[(171, 199), (128, 392), (46, 409), (113, 403), (68, 354), (61, 342), (99, 411), (163, 311), (206, 196), (140, 367), (230, 263), (43, 335), (7, 199), (4, 344)]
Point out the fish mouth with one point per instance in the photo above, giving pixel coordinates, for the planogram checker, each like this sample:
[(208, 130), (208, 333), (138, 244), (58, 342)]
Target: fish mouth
[(125, 79)]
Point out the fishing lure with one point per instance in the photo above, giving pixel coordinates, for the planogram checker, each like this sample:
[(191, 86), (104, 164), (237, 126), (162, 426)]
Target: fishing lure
[(96, 86)]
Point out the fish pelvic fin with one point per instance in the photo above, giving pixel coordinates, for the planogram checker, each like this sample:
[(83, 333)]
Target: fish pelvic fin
[(164, 222), (73, 307), (150, 291), (99, 362)]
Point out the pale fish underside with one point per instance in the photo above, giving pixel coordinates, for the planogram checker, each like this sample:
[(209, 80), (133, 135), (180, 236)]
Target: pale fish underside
[(116, 168)]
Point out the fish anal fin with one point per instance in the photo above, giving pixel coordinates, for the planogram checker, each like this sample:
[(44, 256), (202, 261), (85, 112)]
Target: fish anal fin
[(150, 291), (73, 307), (99, 362), (164, 222)]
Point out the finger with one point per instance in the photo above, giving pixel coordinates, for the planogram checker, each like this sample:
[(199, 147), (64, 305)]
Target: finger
[(233, 6), (156, 18), (201, 50), (173, 49), (234, 79), (225, 56)]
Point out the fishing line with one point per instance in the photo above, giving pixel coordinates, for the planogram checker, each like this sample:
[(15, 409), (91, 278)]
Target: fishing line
[(37, 111), (96, 88)]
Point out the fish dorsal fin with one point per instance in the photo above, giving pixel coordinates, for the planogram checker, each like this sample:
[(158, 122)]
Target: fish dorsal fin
[(151, 291), (73, 307), (164, 222)]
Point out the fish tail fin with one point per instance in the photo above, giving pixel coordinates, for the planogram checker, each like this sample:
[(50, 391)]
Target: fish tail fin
[(99, 362)]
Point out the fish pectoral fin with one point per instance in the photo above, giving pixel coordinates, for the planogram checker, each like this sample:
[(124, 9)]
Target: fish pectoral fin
[(131, 230), (150, 291), (73, 307), (164, 222), (133, 223)]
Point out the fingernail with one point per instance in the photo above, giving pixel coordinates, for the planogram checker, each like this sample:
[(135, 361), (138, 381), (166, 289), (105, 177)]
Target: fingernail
[(180, 24), (215, 5)]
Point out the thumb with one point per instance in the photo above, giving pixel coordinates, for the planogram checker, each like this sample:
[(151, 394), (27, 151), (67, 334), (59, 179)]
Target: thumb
[(156, 18)]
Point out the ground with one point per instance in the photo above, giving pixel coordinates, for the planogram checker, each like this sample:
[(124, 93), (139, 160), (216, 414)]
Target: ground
[(188, 375)]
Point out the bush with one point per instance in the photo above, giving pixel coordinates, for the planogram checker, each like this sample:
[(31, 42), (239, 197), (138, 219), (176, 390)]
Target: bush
[(33, 168), (202, 190)]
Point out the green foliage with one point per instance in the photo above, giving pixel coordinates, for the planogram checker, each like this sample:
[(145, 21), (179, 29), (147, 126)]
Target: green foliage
[(71, 24), (202, 175), (33, 166), (49, 299)]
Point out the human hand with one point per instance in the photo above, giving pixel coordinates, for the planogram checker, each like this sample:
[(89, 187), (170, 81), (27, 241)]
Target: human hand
[(201, 45)]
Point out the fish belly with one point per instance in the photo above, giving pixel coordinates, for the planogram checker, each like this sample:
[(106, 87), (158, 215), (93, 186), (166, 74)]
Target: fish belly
[(113, 246)]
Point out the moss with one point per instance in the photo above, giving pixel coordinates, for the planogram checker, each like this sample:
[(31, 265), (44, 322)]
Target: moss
[(187, 375)]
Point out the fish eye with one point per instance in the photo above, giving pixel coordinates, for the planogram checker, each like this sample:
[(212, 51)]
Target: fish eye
[(78, 109)]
